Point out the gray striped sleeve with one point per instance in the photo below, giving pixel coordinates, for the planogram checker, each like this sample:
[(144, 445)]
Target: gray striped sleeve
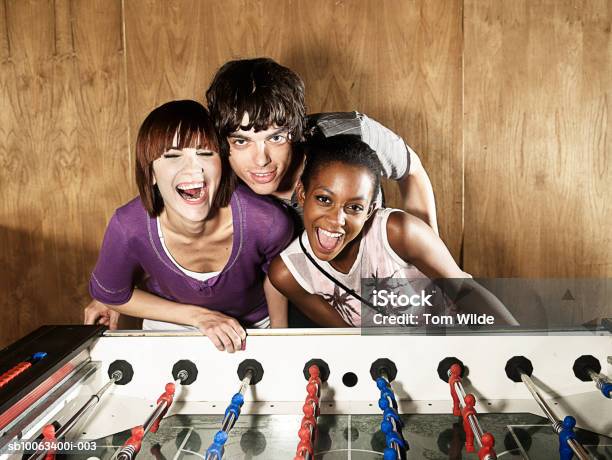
[(393, 152)]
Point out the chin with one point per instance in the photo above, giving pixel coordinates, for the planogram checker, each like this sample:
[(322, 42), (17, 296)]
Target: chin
[(264, 189), (199, 215)]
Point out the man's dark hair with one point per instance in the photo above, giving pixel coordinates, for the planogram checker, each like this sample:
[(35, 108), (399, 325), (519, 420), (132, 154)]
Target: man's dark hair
[(270, 93), (343, 148)]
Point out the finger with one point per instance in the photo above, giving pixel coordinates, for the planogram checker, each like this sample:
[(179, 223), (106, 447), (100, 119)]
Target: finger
[(90, 317), (225, 335), (102, 321), (237, 327), (234, 336), (215, 340), (114, 320)]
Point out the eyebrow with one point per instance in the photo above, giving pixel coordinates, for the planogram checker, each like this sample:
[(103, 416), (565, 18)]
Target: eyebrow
[(355, 198), (197, 147), (248, 138)]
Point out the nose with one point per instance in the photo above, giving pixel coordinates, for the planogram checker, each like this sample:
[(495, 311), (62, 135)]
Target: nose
[(338, 216), (193, 163), (261, 156)]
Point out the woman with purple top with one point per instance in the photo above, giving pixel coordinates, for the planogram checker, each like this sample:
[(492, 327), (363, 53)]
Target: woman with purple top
[(198, 246)]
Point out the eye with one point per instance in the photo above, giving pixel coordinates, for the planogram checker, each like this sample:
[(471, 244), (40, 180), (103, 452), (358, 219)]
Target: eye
[(323, 199), (355, 208), (238, 142), (170, 155), (205, 153), (278, 138)]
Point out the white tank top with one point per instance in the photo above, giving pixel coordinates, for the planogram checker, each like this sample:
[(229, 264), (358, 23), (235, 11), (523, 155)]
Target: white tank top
[(376, 259)]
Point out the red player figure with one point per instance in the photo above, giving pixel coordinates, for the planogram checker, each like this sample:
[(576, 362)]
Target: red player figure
[(455, 377), (168, 397), (468, 410), (136, 438), (486, 452), (49, 436)]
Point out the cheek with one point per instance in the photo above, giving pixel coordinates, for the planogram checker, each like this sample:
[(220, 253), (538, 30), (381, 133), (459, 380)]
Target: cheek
[(237, 160), (357, 223), (216, 168), (281, 153)]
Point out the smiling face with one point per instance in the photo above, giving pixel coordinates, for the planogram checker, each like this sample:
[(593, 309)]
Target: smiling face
[(188, 179), (261, 159), (337, 203)]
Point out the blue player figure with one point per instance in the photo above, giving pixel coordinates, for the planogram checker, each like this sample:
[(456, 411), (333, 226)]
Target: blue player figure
[(567, 433)]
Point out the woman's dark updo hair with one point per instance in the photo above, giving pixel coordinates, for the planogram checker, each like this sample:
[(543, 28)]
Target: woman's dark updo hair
[(344, 148)]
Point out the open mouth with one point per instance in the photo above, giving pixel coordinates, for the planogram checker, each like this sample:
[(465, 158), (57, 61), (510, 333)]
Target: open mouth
[(263, 177), (329, 241), (192, 192)]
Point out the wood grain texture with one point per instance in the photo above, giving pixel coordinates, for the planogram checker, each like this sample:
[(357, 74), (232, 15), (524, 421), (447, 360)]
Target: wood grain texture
[(520, 88), (537, 138), (64, 155)]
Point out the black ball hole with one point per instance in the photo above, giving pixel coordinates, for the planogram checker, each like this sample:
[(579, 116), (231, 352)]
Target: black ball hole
[(349, 379)]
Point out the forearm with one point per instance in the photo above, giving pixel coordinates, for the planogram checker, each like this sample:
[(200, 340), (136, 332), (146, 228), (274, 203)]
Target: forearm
[(277, 305), (474, 298), (319, 311), (417, 193), (145, 305)]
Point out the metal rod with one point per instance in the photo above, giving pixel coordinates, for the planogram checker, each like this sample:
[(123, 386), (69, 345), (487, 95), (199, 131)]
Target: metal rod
[(599, 379), (161, 406), (578, 449), (472, 420), (128, 452), (228, 421), (396, 447), (153, 417), (91, 402)]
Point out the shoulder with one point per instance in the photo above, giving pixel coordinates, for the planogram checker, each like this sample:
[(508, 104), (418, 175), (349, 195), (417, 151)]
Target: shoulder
[(262, 207), (129, 218), (333, 123), (278, 271), (282, 279), (258, 202), (130, 211), (404, 229)]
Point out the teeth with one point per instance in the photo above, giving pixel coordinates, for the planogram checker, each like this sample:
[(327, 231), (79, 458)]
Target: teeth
[(190, 186), (330, 234), (263, 174)]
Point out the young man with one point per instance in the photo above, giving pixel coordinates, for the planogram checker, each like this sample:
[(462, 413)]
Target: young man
[(258, 107)]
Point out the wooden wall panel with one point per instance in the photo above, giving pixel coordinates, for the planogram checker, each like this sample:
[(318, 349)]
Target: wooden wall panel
[(521, 87), (537, 138), (63, 162)]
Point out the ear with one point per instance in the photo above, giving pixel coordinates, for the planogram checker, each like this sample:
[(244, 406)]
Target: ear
[(301, 193)]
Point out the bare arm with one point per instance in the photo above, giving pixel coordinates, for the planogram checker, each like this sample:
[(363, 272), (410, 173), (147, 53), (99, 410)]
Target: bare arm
[(417, 193), (225, 332), (415, 242), (312, 305), (277, 305)]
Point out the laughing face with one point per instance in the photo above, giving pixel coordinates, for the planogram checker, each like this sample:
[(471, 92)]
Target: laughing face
[(260, 158), (187, 179), (337, 204)]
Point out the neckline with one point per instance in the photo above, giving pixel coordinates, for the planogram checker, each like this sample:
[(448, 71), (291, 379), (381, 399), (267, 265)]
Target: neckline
[(237, 233)]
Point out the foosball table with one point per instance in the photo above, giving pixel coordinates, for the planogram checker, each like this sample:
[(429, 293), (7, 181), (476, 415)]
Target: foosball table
[(85, 392)]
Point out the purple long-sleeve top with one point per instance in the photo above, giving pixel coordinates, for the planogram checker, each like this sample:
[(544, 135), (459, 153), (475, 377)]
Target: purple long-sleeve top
[(132, 248)]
